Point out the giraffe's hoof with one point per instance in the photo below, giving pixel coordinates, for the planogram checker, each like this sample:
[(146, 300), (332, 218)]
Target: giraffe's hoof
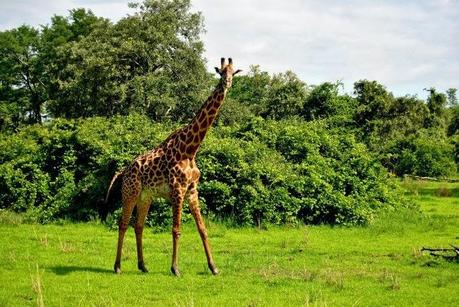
[(175, 271), (142, 267), (213, 269), (117, 267)]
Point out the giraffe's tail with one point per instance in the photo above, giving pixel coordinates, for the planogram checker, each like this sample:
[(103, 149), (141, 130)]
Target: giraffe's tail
[(114, 179)]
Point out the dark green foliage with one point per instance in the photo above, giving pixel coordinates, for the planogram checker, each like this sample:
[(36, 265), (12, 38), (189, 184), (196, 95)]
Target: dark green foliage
[(21, 89), (335, 179), (281, 151), (407, 134), (455, 143), (33, 66), (417, 154), (252, 89), (261, 172), (405, 117), (233, 112), (436, 102), (246, 181), (285, 97), (451, 94), (453, 126), (324, 101), (278, 97), (61, 169), (82, 65), (373, 105), (149, 63)]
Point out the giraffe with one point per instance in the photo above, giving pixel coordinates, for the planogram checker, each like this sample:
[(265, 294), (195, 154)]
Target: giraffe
[(170, 171)]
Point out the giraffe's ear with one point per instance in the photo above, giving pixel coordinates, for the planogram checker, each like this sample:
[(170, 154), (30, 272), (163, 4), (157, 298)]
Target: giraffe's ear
[(237, 71), (218, 70)]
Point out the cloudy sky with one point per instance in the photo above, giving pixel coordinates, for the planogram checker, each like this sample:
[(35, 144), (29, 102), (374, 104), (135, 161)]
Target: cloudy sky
[(406, 45)]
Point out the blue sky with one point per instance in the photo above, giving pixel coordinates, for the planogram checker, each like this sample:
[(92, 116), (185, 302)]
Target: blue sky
[(405, 45)]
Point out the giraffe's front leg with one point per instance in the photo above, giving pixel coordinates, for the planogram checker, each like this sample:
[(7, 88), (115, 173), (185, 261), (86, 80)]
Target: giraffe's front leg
[(196, 212), (177, 196)]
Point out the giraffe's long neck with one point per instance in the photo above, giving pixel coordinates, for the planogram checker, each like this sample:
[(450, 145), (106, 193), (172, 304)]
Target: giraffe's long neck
[(197, 129)]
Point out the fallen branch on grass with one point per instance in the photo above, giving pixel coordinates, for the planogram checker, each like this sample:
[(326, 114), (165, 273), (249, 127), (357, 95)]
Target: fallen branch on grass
[(434, 252)]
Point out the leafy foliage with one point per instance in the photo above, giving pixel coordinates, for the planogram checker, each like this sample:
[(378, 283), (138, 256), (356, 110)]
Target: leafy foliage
[(82, 65), (21, 89), (82, 96), (418, 155), (324, 101), (285, 97), (262, 172)]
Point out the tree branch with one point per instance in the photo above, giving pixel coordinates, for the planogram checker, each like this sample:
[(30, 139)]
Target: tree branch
[(433, 252)]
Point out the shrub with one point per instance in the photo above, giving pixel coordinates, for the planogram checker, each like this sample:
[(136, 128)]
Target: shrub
[(420, 155), (61, 169), (255, 173), (246, 181), (293, 171)]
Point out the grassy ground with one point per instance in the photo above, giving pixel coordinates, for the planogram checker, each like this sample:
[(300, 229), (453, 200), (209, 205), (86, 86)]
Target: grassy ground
[(381, 264)]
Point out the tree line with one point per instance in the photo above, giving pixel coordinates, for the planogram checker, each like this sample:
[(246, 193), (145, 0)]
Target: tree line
[(64, 84), (82, 65)]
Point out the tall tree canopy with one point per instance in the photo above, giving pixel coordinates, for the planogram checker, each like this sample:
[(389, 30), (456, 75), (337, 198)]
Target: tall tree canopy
[(150, 62), (21, 86), (81, 65)]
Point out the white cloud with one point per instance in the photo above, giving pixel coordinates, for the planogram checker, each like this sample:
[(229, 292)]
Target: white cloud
[(113, 10), (35, 13), (406, 45), (16, 13)]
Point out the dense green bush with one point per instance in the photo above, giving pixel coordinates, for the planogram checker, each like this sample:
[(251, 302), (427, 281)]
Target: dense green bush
[(419, 155), (260, 172), (61, 169), (328, 176), (254, 170), (246, 181)]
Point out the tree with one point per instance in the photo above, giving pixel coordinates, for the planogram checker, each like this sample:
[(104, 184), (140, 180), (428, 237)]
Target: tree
[(31, 63), (373, 106), (418, 155), (55, 47), (436, 102), (252, 89), (451, 94), (150, 62), (407, 114), (22, 92), (374, 101), (285, 97), (324, 101), (453, 126)]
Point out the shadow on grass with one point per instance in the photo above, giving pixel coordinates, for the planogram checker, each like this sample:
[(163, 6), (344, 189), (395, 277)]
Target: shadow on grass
[(67, 269), (64, 270), (441, 191)]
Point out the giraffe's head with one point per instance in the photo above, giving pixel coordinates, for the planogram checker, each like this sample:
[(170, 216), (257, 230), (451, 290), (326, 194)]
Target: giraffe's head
[(226, 71)]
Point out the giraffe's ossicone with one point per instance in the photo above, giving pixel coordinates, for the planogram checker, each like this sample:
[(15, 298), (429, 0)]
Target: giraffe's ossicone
[(169, 171)]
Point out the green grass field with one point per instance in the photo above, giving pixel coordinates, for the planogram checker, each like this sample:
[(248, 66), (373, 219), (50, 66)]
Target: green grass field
[(377, 265)]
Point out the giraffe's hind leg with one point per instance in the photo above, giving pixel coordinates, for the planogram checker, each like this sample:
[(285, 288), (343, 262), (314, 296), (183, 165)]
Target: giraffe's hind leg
[(142, 211), (128, 207), (196, 212)]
